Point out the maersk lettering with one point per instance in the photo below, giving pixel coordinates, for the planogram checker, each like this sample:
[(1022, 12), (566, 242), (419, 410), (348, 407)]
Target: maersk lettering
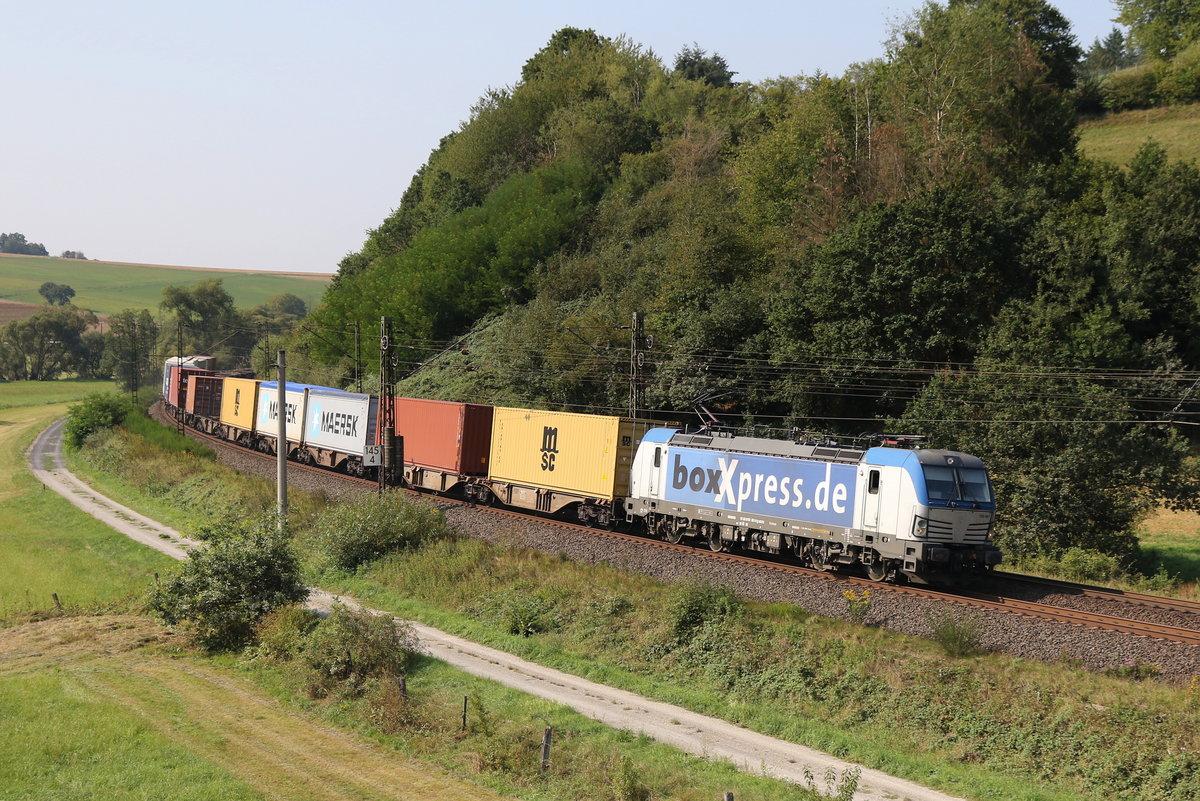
[(340, 423), (766, 485), (272, 411)]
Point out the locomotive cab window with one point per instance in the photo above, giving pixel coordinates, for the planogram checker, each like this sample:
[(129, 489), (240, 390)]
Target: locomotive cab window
[(957, 484), (873, 482)]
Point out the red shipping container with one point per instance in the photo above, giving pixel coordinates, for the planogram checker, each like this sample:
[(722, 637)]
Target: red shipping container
[(173, 377), (204, 396), (451, 437)]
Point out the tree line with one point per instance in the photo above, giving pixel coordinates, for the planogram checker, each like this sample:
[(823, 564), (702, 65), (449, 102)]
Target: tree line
[(132, 345), (16, 243), (913, 245)]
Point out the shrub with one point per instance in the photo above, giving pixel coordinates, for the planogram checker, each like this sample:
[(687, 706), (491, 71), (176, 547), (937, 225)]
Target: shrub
[(95, 412), (1181, 83), (281, 634), (349, 648), (529, 614), (958, 636), (221, 592), (627, 784), (1130, 88), (350, 534), (1082, 564), (858, 605), (695, 603)]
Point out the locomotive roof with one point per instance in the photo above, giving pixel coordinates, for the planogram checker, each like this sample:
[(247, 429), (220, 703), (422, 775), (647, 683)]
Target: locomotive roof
[(827, 453), (771, 447)]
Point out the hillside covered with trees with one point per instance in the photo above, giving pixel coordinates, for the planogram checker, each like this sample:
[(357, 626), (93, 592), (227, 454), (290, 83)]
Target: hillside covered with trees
[(912, 245)]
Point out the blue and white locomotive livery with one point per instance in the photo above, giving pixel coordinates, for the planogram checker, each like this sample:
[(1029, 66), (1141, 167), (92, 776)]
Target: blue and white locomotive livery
[(923, 514)]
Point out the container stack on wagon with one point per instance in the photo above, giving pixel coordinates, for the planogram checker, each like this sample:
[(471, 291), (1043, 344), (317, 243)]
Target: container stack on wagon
[(445, 444), (889, 511), (546, 461)]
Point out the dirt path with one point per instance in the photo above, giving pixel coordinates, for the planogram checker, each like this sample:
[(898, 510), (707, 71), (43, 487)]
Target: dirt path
[(691, 732)]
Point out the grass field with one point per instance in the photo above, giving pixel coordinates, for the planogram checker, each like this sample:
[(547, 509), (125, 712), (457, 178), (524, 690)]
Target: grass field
[(39, 393), (1174, 538), (107, 287), (1117, 137)]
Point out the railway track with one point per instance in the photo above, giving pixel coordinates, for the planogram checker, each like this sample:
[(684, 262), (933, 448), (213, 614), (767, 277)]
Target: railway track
[(983, 601), (1104, 593)]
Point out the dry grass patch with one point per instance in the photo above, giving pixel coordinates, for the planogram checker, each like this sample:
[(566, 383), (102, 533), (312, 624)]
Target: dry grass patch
[(217, 719)]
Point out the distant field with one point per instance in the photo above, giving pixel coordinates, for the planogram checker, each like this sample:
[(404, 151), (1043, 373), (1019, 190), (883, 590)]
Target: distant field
[(109, 287), (16, 394), (1117, 137)]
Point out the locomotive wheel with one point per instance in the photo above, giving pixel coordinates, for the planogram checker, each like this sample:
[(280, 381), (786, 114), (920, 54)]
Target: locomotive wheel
[(877, 570), (672, 534), (714, 540), (818, 559)]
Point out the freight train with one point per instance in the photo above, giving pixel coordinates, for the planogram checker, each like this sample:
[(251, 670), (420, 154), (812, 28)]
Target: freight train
[(897, 514)]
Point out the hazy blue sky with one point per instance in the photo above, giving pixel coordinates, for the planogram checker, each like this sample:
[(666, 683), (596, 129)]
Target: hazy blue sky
[(271, 135)]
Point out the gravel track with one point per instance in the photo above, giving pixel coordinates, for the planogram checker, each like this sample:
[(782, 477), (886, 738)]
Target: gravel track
[(1009, 633)]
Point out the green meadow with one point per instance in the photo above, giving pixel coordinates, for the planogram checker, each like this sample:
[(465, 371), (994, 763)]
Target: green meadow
[(1117, 137), (107, 287)]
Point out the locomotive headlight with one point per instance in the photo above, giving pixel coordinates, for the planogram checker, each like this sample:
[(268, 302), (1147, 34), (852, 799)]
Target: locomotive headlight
[(920, 526)]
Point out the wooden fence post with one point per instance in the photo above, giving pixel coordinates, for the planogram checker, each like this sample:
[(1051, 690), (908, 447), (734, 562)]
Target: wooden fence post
[(546, 747), (464, 716)]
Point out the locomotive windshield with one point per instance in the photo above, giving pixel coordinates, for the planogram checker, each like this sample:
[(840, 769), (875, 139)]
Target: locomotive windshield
[(957, 484)]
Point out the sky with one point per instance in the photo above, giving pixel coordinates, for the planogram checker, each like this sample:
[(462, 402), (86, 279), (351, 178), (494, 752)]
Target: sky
[(266, 135)]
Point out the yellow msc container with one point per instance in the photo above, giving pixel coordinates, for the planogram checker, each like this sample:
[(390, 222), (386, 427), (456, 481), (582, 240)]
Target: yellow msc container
[(239, 403), (582, 455)]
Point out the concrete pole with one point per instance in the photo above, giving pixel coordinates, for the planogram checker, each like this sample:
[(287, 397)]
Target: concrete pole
[(281, 446)]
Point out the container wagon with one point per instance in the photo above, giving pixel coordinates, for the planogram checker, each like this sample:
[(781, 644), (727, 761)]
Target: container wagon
[(550, 462)]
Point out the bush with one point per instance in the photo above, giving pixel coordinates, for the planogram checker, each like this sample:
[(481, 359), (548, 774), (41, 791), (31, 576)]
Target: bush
[(1082, 564), (1181, 82), (96, 412), (350, 648), (1135, 87), (350, 534), (221, 592), (695, 603), (281, 634), (958, 636)]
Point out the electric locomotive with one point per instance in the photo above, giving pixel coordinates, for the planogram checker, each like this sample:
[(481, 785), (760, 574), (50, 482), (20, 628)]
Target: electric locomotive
[(922, 514)]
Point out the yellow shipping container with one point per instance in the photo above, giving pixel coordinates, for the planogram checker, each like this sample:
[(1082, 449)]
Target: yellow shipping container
[(581, 454), (238, 402)]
